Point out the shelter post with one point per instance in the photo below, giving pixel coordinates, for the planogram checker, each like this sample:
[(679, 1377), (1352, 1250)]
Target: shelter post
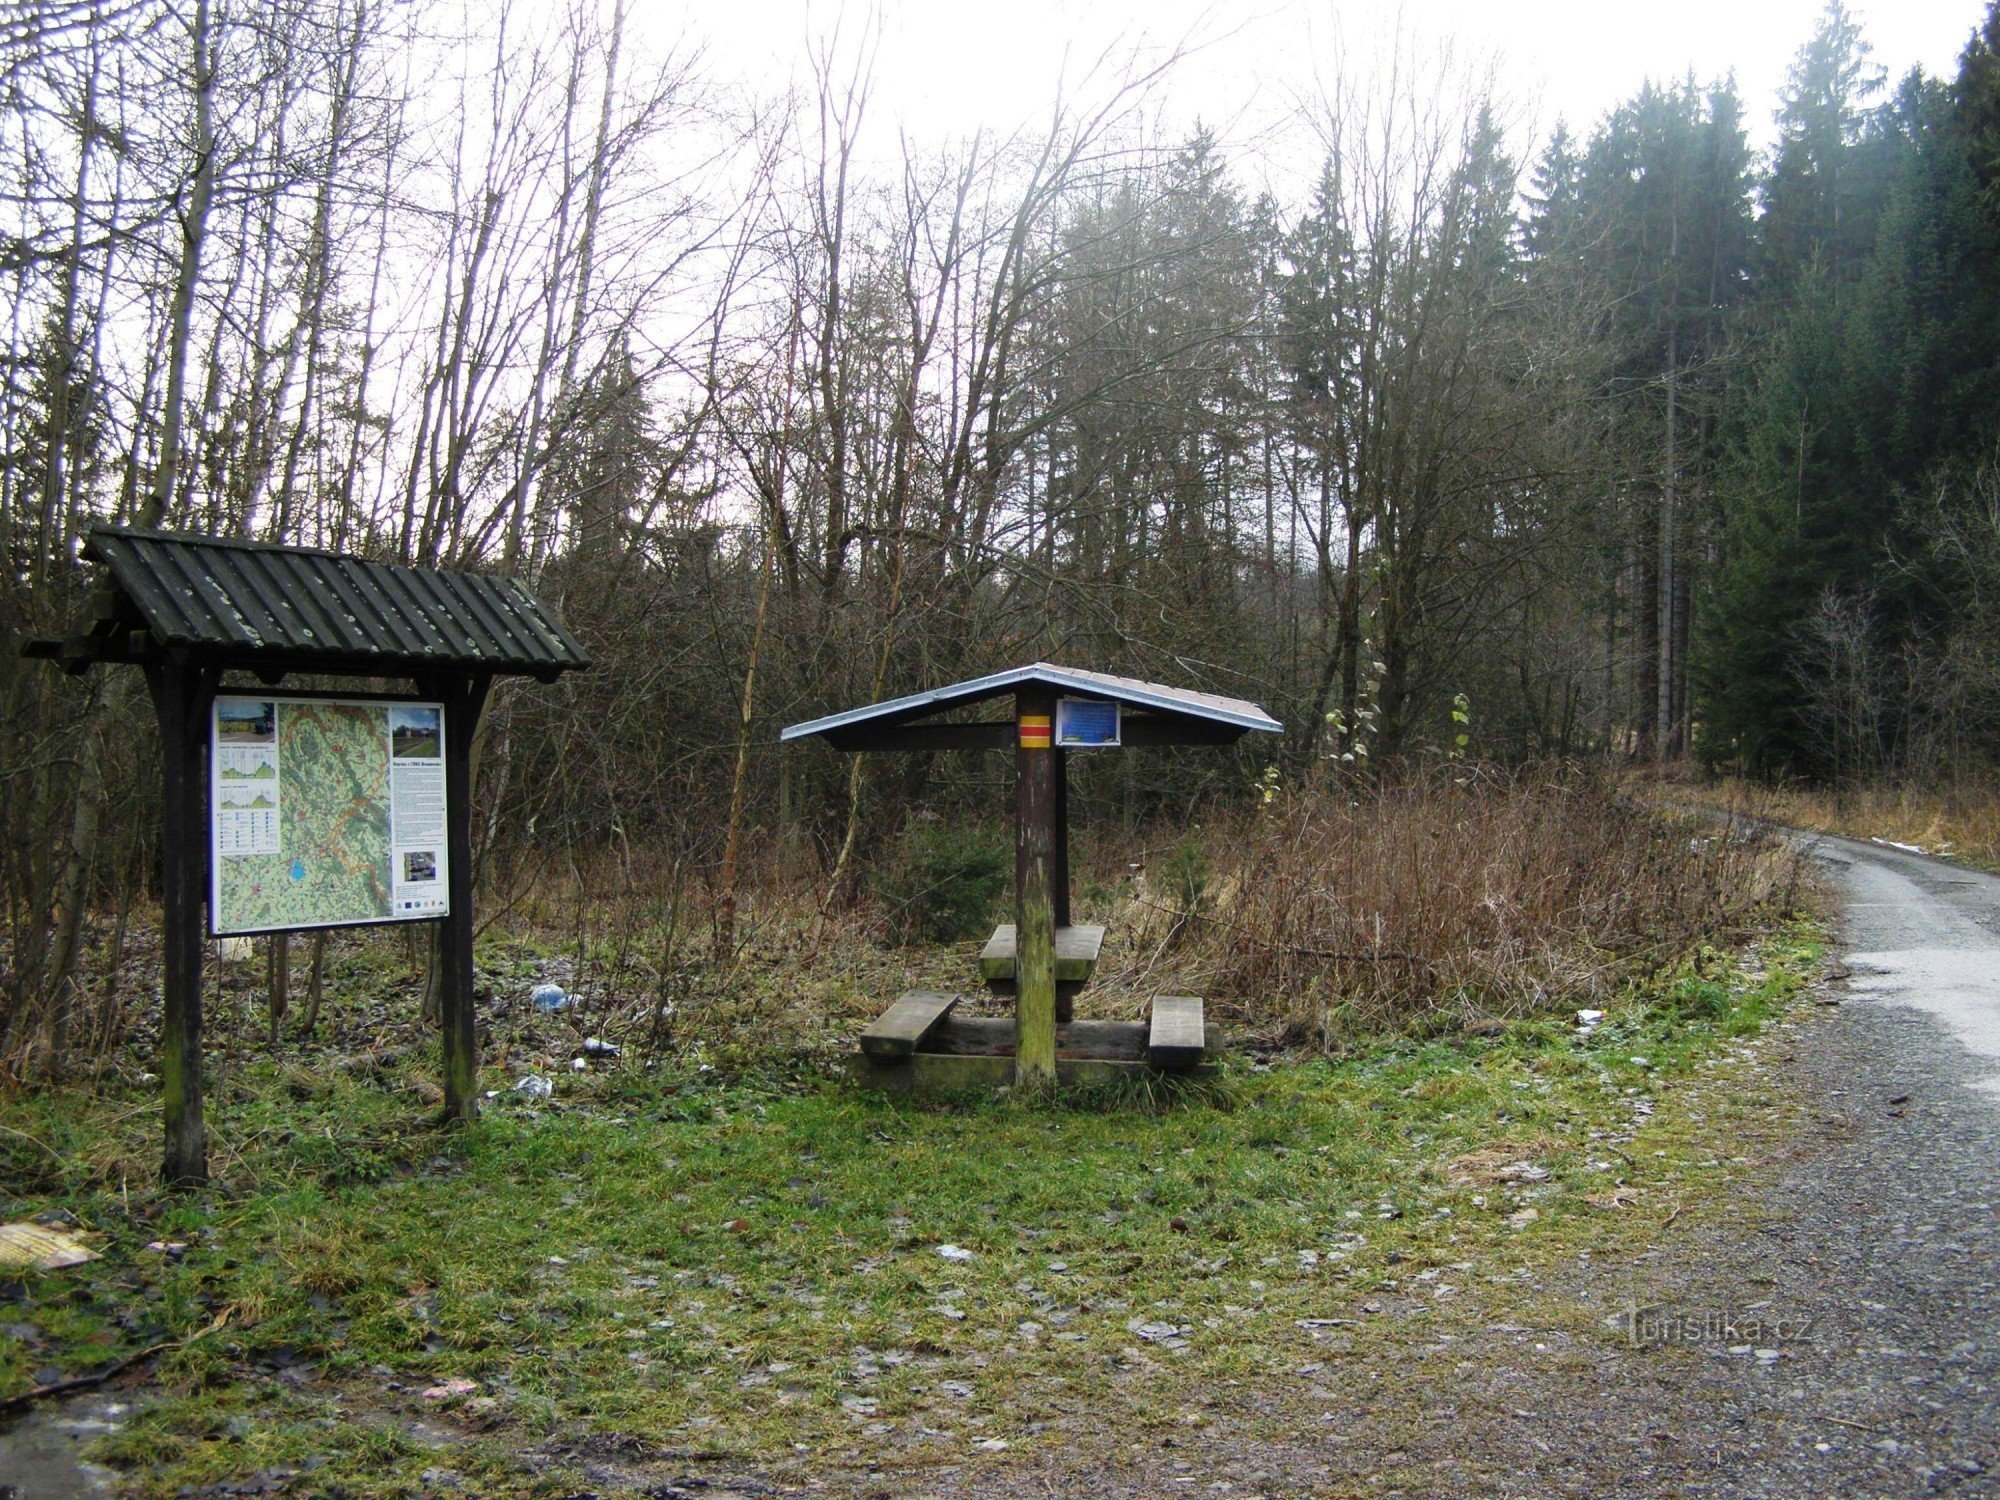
[(1059, 767), (464, 699), (181, 696), (1034, 889)]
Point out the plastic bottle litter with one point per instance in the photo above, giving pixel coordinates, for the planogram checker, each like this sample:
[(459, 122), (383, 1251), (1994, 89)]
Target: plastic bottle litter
[(549, 997), (535, 1086), (596, 1046)]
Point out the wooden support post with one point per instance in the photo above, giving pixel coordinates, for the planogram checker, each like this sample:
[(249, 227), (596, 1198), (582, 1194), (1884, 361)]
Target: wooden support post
[(1034, 891), (1059, 759), (464, 700), (182, 696)]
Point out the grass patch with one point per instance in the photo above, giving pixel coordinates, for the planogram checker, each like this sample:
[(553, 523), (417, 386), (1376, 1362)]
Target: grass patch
[(665, 1262)]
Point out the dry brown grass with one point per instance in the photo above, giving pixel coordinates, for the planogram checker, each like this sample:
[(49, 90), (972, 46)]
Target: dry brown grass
[(1331, 915), (1960, 818), (1437, 902)]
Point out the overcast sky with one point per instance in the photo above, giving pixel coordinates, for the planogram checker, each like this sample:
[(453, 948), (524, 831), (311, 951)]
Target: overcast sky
[(946, 66)]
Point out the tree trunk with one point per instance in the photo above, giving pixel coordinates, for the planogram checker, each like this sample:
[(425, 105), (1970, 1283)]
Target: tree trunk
[(725, 923), (278, 979), (194, 233)]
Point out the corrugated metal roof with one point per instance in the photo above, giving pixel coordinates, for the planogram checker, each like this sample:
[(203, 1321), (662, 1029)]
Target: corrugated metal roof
[(1147, 695), (255, 601)]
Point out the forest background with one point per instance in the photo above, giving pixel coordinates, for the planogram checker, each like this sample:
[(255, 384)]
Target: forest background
[(1631, 443)]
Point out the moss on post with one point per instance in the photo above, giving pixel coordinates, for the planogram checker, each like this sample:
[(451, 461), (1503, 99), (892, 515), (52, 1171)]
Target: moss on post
[(1034, 893)]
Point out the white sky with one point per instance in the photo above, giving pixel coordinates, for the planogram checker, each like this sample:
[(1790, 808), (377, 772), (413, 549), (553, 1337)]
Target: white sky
[(947, 66)]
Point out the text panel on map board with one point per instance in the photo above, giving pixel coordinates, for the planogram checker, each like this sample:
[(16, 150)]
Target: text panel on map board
[(325, 812)]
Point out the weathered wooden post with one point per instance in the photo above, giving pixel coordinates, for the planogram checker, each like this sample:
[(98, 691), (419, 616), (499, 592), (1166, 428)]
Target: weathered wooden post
[(181, 698), (1059, 766), (464, 699), (1034, 889)]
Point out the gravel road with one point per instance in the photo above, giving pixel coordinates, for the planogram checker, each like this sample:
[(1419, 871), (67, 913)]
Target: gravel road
[(1876, 1237), (1888, 1232)]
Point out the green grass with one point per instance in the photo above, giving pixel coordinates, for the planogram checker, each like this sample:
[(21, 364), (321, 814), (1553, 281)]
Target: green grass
[(742, 1267)]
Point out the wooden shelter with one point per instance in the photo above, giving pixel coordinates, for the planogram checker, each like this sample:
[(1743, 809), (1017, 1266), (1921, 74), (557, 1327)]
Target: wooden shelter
[(1041, 958), (188, 609)]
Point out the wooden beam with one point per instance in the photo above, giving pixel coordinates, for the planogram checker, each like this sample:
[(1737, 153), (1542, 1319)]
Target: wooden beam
[(1178, 1039), (1034, 890), (182, 695), (77, 654), (464, 699), (922, 737), (1167, 729), (902, 1028), (942, 1074), (339, 664), (982, 1035), (968, 1054)]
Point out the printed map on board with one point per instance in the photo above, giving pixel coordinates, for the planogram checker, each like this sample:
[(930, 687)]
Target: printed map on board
[(332, 864)]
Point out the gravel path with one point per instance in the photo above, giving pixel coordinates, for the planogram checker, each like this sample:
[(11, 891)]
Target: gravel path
[(1876, 1241)]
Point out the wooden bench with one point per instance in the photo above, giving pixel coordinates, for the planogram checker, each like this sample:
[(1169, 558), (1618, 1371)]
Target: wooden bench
[(904, 1027), (1076, 957), (976, 1053), (1179, 1039)]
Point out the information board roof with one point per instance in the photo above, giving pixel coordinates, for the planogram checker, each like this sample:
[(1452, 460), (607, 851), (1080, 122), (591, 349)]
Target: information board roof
[(1212, 708), (250, 604)]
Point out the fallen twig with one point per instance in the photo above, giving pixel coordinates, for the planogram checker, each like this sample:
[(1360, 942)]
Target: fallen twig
[(116, 1367)]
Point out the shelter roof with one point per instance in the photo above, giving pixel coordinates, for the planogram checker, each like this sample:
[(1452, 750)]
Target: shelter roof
[(257, 605), (1233, 714)]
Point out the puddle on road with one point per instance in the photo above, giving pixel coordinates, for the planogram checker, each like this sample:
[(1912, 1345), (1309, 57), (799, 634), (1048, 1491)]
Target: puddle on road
[(1959, 986), (41, 1449)]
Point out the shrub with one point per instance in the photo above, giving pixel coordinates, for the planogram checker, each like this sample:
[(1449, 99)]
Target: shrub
[(1430, 901), (1184, 878), (938, 884)]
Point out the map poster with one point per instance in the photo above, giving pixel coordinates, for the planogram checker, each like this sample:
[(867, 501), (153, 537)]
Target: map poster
[(325, 812)]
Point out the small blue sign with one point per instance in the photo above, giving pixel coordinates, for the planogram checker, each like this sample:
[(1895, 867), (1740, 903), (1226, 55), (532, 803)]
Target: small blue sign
[(1086, 724)]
